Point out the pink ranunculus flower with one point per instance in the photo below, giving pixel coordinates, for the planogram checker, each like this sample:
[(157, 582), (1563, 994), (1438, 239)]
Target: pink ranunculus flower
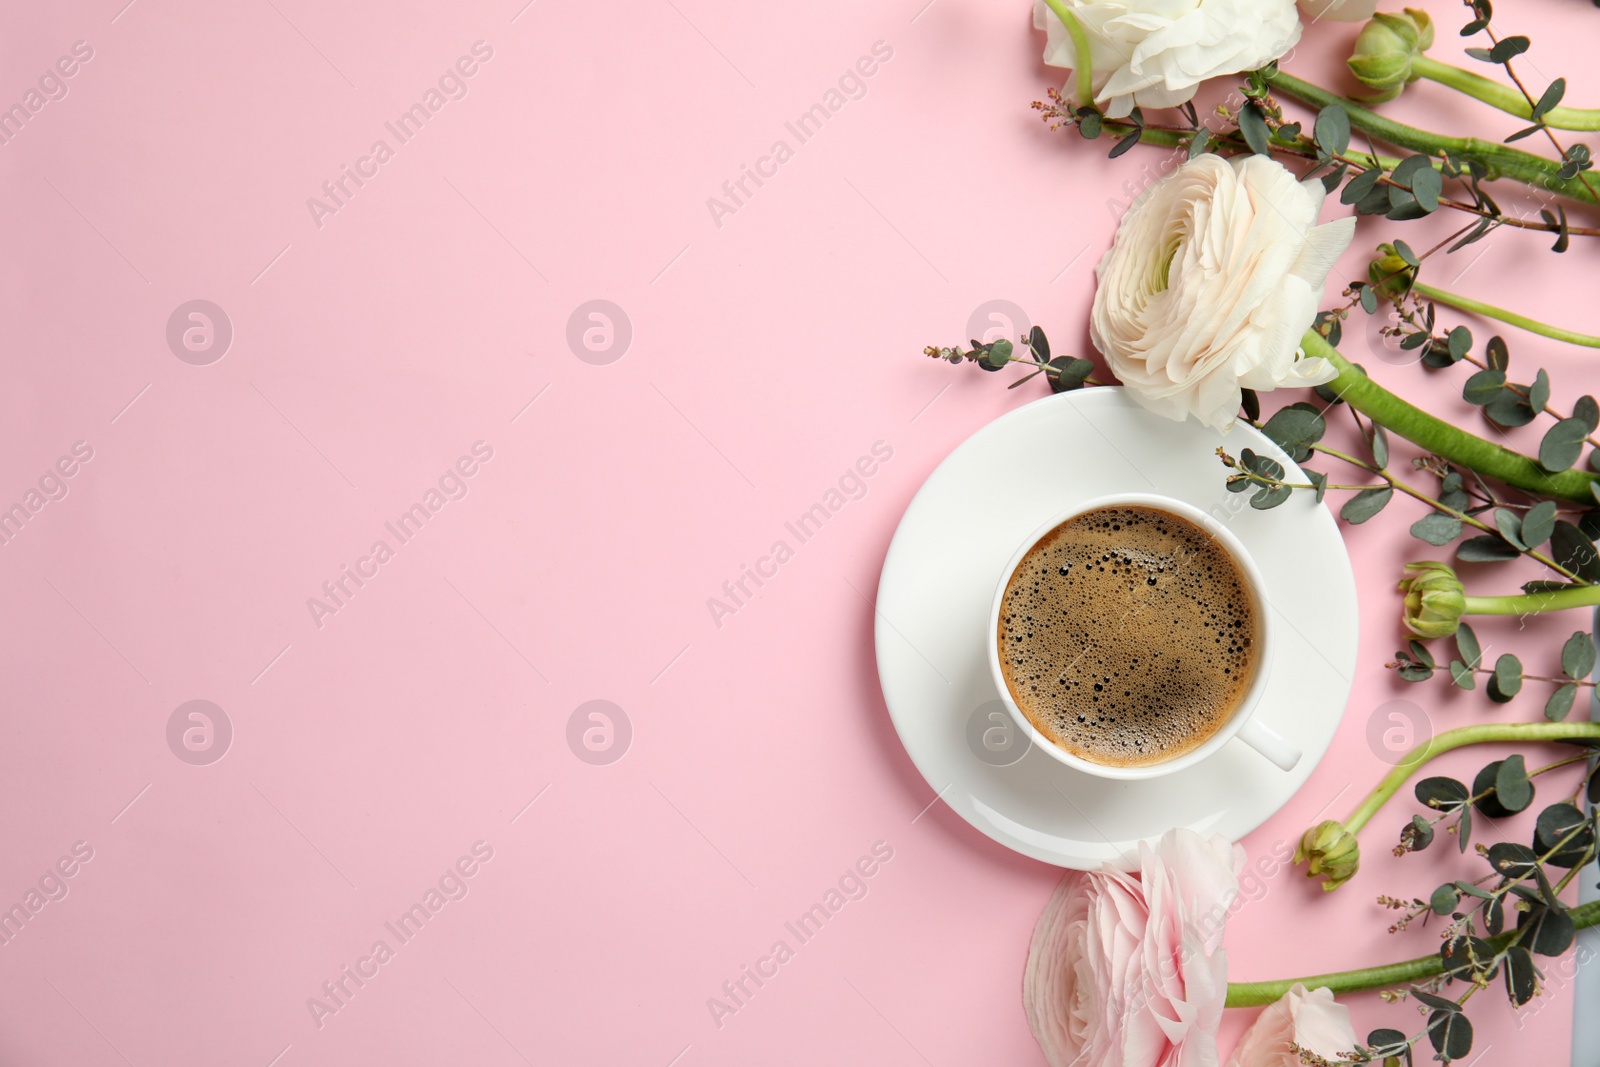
[(1311, 1021), (1127, 970)]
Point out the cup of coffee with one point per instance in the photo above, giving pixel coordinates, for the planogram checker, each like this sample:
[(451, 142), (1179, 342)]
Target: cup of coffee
[(1129, 638)]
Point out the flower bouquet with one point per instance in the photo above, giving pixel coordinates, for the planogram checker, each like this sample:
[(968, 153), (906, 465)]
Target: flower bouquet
[(1213, 294)]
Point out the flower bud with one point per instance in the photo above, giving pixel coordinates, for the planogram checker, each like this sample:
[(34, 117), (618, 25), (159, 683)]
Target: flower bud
[(1385, 49), (1331, 851), (1435, 599), (1390, 274)]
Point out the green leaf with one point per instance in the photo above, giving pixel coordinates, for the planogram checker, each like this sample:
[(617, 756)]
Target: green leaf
[(1538, 523), (1513, 860), (1588, 411), (1379, 442), (1522, 980), (1461, 676), (1550, 930), (1550, 98), (1563, 832), (1426, 187), (1365, 504), (1069, 373), (1483, 386), (1562, 445), (1420, 651), (1126, 142), (1089, 123), (1295, 429), (1250, 400), (1508, 48), (1253, 125), (1574, 551), (1332, 130), (1539, 391), (1450, 1033), (1441, 793), (1040, 344), (1577, 656), (1436, 528), (1445, 899), (1459, 343), (1509, 525), (1267, 468), (1560, 703), (1467, 645), (1402, 249), (1513, 790), (1199, 143), (1510, 409), (1319, 480), (1498, 355), (1506, 681), (1387, 1044), (1359, 187), (1270, 497), (1486, 548)]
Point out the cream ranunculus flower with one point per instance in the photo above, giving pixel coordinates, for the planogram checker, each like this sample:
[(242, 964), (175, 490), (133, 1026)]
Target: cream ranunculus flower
[(1311, 1021), (1127, 970), (1155, 53), (1215, 274), (1338, 10)]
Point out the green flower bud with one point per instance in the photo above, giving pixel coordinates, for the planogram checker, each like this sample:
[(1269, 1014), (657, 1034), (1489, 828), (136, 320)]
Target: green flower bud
[(1385, 48), (1329, 850), (1435, 599), (1389, 273)]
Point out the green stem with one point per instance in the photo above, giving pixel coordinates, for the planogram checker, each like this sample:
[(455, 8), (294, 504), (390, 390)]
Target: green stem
[(1080, 46), (1499, 161), (1501, 96), (1441, 438), (1452, 739), (1489, 311), (1259, 994), (1580, 596)]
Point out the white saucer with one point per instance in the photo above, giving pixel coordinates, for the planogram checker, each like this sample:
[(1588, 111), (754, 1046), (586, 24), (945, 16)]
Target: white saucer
[(939, 580)]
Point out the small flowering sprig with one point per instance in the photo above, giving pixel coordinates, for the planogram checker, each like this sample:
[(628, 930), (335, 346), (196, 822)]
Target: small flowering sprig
[(1064, 373), (1504, 680)]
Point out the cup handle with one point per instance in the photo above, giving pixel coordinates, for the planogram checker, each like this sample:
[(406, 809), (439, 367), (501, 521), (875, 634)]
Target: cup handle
[(1267, 741)]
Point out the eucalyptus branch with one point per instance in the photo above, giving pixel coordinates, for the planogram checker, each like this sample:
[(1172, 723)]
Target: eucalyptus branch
[(1497, 160)]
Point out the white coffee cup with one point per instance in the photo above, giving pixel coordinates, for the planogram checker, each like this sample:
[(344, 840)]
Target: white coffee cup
[(1242, 724)]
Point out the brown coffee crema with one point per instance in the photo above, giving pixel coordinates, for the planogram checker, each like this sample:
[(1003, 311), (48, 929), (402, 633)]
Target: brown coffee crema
[(1128, 636)]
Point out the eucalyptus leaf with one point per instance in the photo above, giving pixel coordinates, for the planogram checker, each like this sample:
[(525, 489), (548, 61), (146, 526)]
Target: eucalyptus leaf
[(1550, 930), (1509, 525), (1295, 429), (1467, 645), (1450, 1033), (1577, 656), (1442, 793), (1484, 386), (1509, 410), (1560, 702), (1538, 523), (1522, 980), (1332, 130), (1379, 441), (1498, 355), (1539, 391), (1587, 410), (1562, 444), (1461, 676), (1365, 504), (1512, 787), (1574, 551), (1436, 528), (1486, 548)]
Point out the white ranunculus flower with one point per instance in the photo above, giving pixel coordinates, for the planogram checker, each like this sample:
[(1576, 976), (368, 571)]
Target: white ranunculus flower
[(1339, 10), (1155, 53), (1215, 274)]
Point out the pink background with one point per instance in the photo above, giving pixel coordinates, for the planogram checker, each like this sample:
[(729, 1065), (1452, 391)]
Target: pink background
[(369, 353)]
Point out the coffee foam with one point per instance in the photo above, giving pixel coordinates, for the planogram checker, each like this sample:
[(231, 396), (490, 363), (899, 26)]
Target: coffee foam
[(1127, 636)]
